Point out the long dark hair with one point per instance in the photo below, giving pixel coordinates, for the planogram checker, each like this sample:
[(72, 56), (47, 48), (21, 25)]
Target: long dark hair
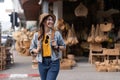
[(41, 27)]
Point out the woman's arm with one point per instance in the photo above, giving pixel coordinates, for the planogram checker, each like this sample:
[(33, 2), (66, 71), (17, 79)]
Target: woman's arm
[(34, 47), (61, 43)]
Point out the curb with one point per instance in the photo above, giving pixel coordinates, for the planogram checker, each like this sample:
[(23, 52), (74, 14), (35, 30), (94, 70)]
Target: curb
[(18, 75)]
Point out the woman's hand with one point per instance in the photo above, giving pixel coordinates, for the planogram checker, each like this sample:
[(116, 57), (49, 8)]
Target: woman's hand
[(36, 51), (38, 46), (54, 45)]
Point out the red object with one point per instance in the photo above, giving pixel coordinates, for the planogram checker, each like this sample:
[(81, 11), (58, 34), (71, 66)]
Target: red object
[(2, 76)]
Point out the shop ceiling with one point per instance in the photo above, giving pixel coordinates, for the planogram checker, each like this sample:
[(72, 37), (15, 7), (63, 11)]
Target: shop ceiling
[(32, 8)]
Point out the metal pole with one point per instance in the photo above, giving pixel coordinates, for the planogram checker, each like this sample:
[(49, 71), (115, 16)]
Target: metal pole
[(13, 27), (13, 22), (13, 13), (0, 32)]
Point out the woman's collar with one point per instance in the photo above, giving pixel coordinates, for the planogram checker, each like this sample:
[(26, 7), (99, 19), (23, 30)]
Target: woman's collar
[(50, 32)]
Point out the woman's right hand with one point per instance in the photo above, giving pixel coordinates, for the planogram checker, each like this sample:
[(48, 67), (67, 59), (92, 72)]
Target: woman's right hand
[(38, 47), (54, 43), (36, 51)]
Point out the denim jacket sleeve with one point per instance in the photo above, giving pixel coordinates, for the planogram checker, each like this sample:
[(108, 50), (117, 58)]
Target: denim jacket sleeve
[(33, 44), (60, 40)]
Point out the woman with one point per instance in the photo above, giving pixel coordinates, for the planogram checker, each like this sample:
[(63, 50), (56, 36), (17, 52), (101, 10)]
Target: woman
[(47, 44)]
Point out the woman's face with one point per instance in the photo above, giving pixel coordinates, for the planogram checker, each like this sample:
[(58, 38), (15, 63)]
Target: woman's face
[(49, 22)]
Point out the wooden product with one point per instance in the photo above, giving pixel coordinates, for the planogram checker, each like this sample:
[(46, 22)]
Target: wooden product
[(71, 56), (101, 68), (111, 52), (105, 27), (111, 69), (96, 53), (81, 10), (66, 64), (2, 58), (26, 44), (117, 68), (5, 58)]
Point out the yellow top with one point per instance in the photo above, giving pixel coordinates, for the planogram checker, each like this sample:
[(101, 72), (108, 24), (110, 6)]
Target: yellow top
[(46, 47)]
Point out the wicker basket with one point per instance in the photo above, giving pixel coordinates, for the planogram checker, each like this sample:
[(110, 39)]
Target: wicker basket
[(26, 44), (105, 27), (81, 10)]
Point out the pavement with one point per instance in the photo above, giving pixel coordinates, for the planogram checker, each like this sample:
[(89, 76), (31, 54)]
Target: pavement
[(22, 70)]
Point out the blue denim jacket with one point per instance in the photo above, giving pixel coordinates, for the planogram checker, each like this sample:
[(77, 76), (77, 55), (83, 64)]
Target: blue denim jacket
[(55, 55)]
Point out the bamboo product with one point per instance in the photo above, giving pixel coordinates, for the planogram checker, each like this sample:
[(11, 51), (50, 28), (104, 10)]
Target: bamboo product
[(71, 56), (111, 69), (81, 10), (26, 44), (98, 35), (91, 37), (2, 58), (101, 68), (65, 64), (105, 27)]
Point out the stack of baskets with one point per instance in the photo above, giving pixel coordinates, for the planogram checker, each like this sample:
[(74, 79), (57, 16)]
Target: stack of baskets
[(2, 58), (108, 66), (6, 58), (23, 40), (68, 63)]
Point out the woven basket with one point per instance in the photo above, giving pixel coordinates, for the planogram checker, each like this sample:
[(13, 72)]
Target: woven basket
[(111, 51), (98, 39), (105, 27), (81, 10), (71, 56), (26, 44), (91, 39), (17, 35)]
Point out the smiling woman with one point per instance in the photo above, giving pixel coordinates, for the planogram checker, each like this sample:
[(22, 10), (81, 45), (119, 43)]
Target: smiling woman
[(47, 44)]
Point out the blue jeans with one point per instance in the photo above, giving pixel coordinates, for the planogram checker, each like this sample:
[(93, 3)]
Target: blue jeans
[(49, 69)]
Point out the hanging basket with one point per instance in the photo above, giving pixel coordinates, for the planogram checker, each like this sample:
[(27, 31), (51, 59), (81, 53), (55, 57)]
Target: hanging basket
[(105, 27), (81, 10), (98, 35), (99, 39), (91, 37), (72, 38)]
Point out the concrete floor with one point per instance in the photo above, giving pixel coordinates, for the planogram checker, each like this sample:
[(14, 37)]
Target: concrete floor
[(82, 71)]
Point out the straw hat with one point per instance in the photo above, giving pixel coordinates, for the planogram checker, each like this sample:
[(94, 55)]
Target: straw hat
[(44, 15)]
